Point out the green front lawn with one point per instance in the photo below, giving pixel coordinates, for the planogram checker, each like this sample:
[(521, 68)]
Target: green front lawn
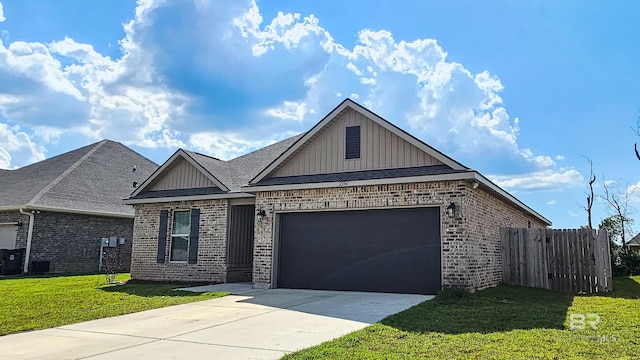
[(29, 303), (506, 322)]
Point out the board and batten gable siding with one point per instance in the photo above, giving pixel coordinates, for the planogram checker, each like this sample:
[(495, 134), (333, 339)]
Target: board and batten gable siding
[(181, 175), (380, 149)]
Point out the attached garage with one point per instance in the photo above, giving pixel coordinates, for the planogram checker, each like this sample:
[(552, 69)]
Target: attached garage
[(381, 250)]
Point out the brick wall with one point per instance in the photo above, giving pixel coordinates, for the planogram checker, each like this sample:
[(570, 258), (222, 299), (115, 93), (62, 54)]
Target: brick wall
[(72, 241), (470, 242), (485, 216), (438, 194), (211, 262)]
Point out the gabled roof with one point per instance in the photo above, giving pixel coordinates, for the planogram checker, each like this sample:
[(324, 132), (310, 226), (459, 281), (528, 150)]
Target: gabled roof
[(92, 179), (253, 172), (228, 176), (335, 114), (635, 241)]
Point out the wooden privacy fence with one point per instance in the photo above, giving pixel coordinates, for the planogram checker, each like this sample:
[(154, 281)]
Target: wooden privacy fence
[(576, 261)]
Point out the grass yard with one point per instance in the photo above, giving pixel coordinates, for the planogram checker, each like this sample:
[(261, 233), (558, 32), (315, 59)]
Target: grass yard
[(506, 322), (29, 303)]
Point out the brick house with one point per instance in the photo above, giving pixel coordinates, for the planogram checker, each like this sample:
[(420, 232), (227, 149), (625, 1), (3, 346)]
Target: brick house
[(634, 243), (355, 203), (59, 209)]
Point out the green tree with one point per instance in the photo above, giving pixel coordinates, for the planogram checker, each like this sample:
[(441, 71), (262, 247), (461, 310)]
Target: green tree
[(623, 262), (613, 226)]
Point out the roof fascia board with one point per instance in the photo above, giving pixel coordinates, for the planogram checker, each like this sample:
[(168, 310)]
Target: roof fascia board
[(375, 118), (198, 166), (469, 175), (385, 181), (67, 211), (498, 190), (189, 198), (155, 174), (174, 157), (406, 136), (308, 135)]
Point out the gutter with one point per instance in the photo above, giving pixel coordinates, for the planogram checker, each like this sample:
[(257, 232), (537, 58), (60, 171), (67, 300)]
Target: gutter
[(68, 211), (27, 252)]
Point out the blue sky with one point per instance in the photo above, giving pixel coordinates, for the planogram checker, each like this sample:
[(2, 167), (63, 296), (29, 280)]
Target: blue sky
[(517, 90)]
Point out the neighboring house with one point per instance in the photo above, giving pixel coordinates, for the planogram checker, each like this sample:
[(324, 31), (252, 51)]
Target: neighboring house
[(634, 243), (59, 209), (355, 203)]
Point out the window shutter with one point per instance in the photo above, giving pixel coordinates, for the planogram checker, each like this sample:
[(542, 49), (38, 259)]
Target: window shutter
[(162, 235), (193, 236), (352, 142)]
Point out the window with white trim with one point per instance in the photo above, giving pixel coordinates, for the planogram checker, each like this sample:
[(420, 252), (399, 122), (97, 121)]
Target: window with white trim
[(180, 236)]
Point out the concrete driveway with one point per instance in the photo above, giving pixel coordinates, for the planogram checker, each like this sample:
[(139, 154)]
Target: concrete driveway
[(250, 324)]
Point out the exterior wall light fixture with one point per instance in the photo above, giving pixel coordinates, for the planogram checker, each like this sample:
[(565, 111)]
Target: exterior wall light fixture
[(261, 215), (451, 210), (18, 225)]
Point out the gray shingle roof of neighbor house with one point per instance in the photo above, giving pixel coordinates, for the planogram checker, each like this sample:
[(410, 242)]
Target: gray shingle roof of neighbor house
[(635, 240), (92, 179)]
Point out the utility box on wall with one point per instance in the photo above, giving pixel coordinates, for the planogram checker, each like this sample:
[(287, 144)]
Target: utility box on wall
[(113, 241)]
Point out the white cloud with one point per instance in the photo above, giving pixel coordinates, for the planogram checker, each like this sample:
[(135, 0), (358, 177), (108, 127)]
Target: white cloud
[(14, 141), (632, 192), (354, 69), (290, 68), (573, 213), (289, 110), (551, 202), (2, 18), (224, 146), (49, 134), (96, 96), (34, 61), (540, 161), (288, 30), (546, 179)]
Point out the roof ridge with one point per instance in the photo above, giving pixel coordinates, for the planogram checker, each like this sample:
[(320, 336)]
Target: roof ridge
[(65, 173), (267, 146), (189, 154), (209, 156)]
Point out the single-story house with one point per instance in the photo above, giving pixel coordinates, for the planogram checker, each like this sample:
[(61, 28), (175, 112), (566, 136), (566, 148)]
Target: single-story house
[(59, 210), (634, 243), (355, 203)]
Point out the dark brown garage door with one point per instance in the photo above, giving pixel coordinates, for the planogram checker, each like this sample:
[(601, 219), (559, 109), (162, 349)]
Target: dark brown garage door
[(391, 250)]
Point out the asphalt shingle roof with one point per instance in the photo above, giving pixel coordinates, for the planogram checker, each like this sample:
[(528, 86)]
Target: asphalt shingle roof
[(359, 175), (94, 178)]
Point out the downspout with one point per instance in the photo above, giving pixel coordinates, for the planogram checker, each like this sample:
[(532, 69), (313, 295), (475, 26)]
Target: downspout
[(27, 252)]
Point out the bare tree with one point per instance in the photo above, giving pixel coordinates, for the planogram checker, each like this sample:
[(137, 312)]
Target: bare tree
[(590, 196), (637, 131), (618, 201)]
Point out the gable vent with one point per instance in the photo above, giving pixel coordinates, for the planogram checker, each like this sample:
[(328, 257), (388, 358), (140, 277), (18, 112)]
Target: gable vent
[(352, 148)]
